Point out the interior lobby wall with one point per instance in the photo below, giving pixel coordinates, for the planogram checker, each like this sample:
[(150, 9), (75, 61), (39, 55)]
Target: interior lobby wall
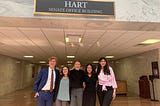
[(15, 74), (133, 67)]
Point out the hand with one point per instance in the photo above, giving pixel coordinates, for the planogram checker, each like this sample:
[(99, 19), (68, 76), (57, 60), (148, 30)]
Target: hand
[(114, 95), (84, 85), (36, 94)]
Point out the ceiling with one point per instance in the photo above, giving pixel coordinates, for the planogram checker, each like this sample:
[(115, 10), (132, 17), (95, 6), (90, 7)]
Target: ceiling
[(43, 38)]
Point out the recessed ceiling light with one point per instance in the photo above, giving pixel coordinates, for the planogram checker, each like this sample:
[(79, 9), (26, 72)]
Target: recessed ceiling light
[(98, 44), (109, 57), (28, 56), (95, 62), (69, 61), (79, 40), (151, 41), (73, 38), (18, 62), (67, 39), (72, 45), (42, 62), (117, 62), (70, 56)]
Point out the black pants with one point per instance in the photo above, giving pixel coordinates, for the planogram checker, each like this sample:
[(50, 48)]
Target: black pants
[(105, 97), (89, 98)]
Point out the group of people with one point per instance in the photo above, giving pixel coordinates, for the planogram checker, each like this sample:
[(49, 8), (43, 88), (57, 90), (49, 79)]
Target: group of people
[(75, 87)]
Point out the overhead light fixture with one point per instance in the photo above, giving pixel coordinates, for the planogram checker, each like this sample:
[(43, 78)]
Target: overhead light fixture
[(67, 39), (18, 62), (98, 44), (117, 62), (109, 57), (28, 56), (69, 62), (70, 56), (95, 62), (42, 62), (73, 38), (151, 41), (72, 45), (79, 40)]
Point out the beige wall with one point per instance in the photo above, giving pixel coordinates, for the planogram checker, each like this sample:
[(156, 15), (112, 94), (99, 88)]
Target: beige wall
[(14, 74), (131, 68), (157, 81)]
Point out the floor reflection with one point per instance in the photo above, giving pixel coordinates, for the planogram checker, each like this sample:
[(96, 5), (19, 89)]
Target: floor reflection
[(25, 97), (133, 101)]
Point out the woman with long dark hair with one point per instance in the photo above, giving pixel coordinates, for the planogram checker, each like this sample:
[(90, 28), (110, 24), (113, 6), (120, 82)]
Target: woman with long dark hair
[(107, 85), (89, 93)]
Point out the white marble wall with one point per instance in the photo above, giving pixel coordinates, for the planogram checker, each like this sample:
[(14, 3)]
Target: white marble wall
[(16, 8), (131, 68), (138, 10), (126, 10)]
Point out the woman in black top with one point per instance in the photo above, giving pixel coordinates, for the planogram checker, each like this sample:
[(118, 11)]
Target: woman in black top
[(89, 94)]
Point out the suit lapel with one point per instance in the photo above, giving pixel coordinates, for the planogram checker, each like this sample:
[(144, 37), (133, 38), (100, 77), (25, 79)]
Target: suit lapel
[(46, 76)]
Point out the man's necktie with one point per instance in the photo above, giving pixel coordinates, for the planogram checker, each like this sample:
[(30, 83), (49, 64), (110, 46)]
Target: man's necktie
[(51, 85)]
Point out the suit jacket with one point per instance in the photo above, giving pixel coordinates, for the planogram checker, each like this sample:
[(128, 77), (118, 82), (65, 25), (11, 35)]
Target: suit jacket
[(42, 79)]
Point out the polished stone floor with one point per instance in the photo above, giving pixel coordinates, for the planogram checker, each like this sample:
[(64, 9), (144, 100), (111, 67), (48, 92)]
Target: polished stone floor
[(26, 98)]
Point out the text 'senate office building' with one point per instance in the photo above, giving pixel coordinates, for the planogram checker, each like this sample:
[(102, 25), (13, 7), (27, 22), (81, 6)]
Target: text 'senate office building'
[(126, 32)]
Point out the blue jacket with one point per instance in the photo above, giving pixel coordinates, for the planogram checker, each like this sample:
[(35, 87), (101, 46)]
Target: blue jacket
[(42, 79)]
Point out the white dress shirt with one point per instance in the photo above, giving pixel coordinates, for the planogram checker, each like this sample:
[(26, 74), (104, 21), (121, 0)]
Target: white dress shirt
[(48, 83)]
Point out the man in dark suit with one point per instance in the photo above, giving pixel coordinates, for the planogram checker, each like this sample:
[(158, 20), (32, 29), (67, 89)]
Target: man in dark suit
[(46, 84)]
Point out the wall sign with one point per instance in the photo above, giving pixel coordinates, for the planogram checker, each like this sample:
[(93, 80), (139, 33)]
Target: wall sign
[(86, 7)]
